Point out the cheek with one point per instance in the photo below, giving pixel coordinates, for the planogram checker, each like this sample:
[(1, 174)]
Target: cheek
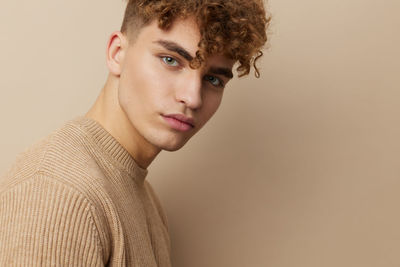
[(212, 101), (160, 87), (142, 85)]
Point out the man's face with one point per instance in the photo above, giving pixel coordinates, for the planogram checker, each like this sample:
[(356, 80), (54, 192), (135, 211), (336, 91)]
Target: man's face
[(166, 101)]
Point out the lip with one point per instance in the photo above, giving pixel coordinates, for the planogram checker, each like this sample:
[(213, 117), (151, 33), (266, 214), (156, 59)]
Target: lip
[(179, 122)]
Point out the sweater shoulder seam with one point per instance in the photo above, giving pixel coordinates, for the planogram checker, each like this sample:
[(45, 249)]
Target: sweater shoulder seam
[(91, 211)]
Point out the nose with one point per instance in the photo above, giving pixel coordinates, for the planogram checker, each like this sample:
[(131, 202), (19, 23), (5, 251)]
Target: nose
[(189, 91)]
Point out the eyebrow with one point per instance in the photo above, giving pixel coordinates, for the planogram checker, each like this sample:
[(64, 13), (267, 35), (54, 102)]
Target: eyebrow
[(174, 47), (222, 71)]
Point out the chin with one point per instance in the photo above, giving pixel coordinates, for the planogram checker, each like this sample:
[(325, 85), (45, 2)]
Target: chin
[(170, 144)]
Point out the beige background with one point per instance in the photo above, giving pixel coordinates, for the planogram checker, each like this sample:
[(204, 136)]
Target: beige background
[(298, 168)]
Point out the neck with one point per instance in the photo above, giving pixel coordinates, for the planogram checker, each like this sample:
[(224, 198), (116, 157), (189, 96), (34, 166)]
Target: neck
[(107, 111)]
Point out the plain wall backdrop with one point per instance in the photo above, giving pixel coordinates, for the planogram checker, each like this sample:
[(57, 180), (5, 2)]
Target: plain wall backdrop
[(297, 168)]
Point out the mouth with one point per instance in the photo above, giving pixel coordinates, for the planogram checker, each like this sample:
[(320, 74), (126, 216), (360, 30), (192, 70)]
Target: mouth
[(179, 122)]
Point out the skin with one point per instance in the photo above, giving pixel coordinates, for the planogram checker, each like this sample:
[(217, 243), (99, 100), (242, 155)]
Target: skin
[(150, 78)]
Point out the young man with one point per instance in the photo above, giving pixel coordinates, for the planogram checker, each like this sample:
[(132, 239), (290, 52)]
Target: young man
[(79, 196)]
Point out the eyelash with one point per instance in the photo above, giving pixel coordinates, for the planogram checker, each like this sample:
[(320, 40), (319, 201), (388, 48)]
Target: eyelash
[(164, 58), (221, 83)]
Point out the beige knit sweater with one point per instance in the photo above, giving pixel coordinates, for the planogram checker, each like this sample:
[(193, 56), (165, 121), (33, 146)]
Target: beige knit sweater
[(77, 198)]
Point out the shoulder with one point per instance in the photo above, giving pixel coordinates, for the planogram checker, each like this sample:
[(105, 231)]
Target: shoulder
[(63, 157), (43, 192), (59, 151)]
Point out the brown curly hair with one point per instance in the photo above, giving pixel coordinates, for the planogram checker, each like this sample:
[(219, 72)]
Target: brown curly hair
[(236, 28)]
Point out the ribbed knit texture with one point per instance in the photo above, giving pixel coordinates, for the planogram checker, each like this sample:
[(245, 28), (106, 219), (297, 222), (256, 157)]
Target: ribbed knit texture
[(78, 198)]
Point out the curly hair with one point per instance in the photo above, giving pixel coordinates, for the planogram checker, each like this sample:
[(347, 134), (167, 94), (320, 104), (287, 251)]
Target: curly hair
[(235, 28)]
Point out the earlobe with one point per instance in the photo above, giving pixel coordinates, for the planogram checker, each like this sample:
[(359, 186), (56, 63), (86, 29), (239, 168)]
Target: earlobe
[(115, 52)]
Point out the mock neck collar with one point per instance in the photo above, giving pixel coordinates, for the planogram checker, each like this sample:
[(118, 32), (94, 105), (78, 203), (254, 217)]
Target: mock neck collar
[(119, 156)]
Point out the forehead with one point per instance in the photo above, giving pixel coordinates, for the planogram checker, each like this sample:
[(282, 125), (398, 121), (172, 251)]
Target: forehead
[(185, 33), (182, 31)]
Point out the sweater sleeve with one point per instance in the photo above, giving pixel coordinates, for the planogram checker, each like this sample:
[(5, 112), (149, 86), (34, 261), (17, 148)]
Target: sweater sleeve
[(46, 223)]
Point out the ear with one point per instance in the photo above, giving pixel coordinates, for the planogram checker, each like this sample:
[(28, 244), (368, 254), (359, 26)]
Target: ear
[(115, 52)]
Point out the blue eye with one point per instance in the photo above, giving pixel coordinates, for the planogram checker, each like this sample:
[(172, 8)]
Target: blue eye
[(170, 61), (213, 80)]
